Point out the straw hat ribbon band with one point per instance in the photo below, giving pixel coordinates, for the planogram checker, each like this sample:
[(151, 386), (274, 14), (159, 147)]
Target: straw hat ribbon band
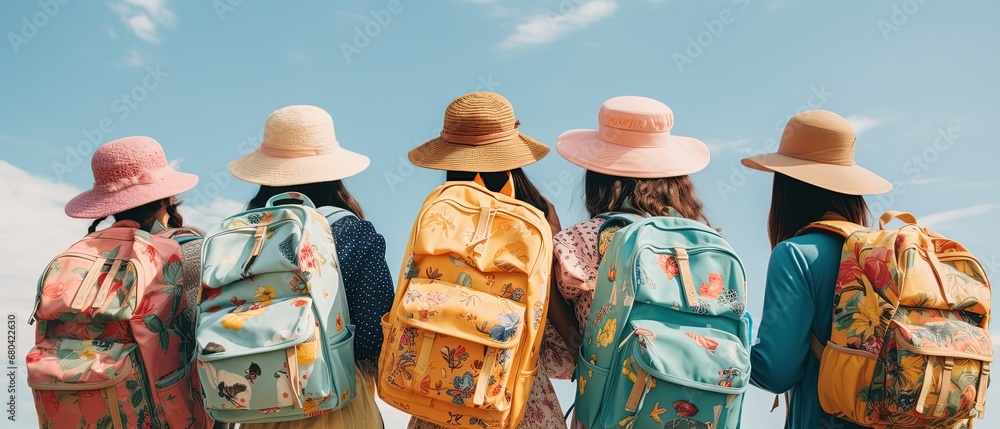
[(478, 139), (633, 138), (147, 177), (834, 155), (295, 153)]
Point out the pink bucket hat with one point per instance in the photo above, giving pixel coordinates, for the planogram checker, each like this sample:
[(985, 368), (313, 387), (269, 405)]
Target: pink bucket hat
[(128, 173), (633, 140)]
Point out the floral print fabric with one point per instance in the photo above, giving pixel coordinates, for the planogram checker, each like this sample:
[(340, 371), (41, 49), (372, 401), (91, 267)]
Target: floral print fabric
[(578, 257)]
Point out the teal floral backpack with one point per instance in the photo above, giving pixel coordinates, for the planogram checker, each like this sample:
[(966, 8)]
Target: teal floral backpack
[(667, 340), (275, 340)]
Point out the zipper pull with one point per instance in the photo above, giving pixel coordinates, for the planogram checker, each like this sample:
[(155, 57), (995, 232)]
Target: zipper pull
[(34, 311)]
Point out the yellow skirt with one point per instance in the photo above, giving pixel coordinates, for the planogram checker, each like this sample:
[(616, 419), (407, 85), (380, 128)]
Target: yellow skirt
[(361, 413)]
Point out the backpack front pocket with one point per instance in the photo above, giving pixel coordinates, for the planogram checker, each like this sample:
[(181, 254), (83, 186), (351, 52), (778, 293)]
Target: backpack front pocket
[(676, 376), (83, 289), (456, 344), (264, 357), (92, 383), (936, 370)]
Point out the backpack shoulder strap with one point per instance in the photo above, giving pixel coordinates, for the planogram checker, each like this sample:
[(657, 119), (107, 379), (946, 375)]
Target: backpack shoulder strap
[(181, 235), (333, 214), (613, 220), (839, 227), (816, 346)]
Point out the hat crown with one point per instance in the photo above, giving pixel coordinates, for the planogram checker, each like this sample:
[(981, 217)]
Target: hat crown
[(479, 118), (127, 158), (299, 127), (633, 113), (819, 136)]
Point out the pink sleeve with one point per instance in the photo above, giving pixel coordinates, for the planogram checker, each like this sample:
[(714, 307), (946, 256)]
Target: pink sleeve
[(576, 251)]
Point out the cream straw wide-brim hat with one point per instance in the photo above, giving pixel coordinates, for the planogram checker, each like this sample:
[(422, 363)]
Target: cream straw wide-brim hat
[(480, 134), (817, 147), (299, 147)]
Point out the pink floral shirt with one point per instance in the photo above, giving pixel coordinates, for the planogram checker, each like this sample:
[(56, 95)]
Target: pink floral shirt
[(577, 253)]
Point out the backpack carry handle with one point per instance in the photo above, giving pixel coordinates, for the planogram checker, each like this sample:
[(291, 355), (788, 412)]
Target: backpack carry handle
[(895, 214), (290, 196)]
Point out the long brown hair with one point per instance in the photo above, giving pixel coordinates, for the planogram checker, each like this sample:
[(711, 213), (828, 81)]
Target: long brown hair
[(332, 193), (795, 204), (606, 193), (145, 215), (524, 190)]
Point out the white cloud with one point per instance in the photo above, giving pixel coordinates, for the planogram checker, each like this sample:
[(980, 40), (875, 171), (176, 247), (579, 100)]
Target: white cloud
[(206, 216), (134, 59), (548, 27), (945, 217), (738, 145), (862, 123), (144, 17)]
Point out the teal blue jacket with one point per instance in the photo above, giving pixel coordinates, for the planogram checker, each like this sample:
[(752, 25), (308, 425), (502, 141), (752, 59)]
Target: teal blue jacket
[(801, 277)]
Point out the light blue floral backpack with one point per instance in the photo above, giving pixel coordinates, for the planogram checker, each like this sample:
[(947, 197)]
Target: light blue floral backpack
[(667, 340), (275, 341)]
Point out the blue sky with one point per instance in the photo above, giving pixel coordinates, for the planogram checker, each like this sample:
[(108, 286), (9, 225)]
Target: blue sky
[(916, 79)]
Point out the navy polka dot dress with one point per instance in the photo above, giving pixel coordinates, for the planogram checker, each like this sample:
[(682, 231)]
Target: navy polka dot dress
[(369, 286)]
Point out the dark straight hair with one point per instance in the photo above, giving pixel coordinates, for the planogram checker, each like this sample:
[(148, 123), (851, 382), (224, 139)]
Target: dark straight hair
[(145, 215), (524, 190), (332, 193), (795, 204)]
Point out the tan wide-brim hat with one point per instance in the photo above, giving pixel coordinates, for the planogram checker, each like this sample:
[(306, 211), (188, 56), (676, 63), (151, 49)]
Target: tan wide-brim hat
[(817, 147), (480, 134), (299, 147)]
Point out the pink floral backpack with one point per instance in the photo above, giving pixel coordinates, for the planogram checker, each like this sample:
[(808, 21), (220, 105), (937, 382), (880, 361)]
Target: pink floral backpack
[(112, 347)]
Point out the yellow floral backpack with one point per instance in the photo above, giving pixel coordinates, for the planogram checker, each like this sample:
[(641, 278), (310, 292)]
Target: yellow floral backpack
[(462, 338), (909, 345)]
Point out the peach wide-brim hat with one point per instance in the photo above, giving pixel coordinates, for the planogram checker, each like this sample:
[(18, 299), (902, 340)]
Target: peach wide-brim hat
[(480, 134), (299, 147), (128, 173), (633, 139), (817, 147)]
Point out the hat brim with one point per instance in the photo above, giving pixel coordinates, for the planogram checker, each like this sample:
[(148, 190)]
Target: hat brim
[(261, 169), (680, 156), (95, 205), (850, 180), (517, 152)]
